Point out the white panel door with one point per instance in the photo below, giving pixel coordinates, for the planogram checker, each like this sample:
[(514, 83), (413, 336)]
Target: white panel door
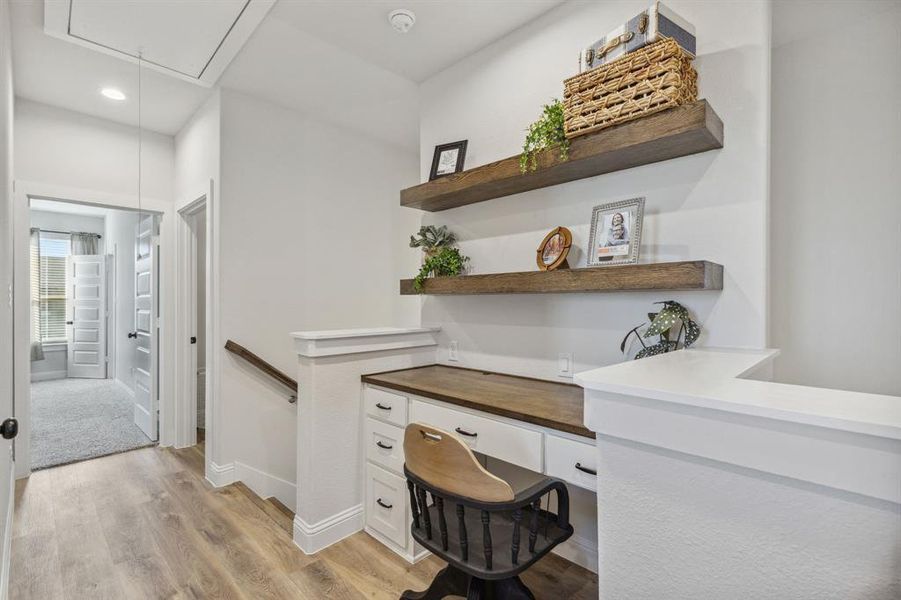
[(145, 331), (86, 307)]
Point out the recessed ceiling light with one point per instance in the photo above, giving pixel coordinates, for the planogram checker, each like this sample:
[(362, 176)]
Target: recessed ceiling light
[(113, 93), (402, 20)]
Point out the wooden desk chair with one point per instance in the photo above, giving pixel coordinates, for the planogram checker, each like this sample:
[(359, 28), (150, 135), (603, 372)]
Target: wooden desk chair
[(478, 519)]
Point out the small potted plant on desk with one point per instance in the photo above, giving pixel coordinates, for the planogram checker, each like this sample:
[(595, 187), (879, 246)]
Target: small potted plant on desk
[(442, 258)]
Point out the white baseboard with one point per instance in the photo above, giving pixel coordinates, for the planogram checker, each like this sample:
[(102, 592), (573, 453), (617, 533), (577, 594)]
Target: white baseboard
[(580, 551), (48, 375), (220, 475), (313, 538), (125, 387), (7, 537), (266, 485)]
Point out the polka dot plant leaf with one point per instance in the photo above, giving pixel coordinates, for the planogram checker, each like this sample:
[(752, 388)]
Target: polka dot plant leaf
[(674, 326)]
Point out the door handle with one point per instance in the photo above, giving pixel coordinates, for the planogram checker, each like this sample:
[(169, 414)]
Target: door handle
[(383, 505), (9, 429), (69, 323), (383, 446), (466, 433), (133, 334)]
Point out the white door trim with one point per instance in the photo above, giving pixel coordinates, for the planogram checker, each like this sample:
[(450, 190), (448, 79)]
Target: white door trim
[(24, 191), (202, 196)]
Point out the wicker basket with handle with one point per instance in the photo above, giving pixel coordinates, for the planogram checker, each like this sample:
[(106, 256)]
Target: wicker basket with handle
[(657, 77)]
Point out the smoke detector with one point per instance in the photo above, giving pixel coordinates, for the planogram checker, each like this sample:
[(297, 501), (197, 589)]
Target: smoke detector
[(402, 20)]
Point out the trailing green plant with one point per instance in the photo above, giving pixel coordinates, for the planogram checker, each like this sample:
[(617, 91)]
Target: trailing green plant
[(431, 238), (547, 132), (662, 324), (446, 261)]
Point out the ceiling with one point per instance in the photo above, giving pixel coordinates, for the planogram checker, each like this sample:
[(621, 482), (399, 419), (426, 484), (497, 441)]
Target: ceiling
[(445, 31), (182, 37), (340, 60), (70, 76)]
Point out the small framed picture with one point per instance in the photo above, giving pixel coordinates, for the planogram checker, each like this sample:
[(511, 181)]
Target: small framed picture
[(554, 249), (448, 159), (615, 233)]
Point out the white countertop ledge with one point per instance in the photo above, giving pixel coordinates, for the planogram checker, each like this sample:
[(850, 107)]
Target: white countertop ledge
[(713, 379), (332, 334), (336, 342)]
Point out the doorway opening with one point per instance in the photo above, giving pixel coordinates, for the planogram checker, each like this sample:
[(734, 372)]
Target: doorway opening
[(197, 223), (195, 348), (94, 343)]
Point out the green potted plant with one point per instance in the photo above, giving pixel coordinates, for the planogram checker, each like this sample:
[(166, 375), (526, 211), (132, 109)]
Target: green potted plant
[(663, 324), (441, 258), (545, 133), (432, 239)]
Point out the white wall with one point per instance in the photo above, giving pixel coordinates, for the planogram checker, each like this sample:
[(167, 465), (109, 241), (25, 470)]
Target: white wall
[(710, 206), (678, 526), (120, 242), (836, 214), (197, 151), (312, 237), (65, 148)]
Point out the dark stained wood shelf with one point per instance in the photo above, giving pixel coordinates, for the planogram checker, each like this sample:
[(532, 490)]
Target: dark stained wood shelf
[(672, 276), (680, 131), (546, 403)]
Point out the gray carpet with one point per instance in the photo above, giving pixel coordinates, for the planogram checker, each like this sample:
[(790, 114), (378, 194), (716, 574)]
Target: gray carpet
[(77, 419)]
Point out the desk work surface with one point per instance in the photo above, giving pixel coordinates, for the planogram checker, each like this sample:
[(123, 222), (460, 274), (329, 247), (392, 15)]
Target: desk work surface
[(545, 403)]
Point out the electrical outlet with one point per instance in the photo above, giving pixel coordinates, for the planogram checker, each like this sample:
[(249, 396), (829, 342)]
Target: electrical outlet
[(452, 352), (565, 364)]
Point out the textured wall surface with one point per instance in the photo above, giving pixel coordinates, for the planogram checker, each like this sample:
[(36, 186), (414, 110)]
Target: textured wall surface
[(735, 533)]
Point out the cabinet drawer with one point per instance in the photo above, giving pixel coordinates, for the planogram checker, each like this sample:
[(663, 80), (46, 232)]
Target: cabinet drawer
[(386, 504), (385, 405), (384, 444), (513, 444), (561, 457)]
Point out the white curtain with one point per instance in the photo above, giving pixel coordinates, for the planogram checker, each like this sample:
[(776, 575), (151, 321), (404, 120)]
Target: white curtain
[(37, 350), (84, 244)]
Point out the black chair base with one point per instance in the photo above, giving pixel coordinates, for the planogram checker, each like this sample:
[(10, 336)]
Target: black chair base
[(451, 581)]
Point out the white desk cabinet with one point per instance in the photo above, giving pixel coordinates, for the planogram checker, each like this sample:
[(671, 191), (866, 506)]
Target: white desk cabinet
[(386, 414)]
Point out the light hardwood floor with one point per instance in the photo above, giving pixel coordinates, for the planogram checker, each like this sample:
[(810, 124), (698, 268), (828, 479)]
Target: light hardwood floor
[(145, 524)]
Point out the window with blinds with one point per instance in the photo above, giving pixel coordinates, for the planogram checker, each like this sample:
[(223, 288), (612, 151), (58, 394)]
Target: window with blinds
[(54, 248)]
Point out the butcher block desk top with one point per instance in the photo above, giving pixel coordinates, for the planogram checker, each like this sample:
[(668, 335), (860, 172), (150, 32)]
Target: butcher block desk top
[(546, 403)]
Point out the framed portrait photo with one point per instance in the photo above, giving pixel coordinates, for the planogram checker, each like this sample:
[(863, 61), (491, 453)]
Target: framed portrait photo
[(448, 159), (554, 249), (615, 233)]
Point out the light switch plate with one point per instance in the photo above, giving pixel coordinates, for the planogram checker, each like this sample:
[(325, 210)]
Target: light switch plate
[(565, 364), (452, 352)]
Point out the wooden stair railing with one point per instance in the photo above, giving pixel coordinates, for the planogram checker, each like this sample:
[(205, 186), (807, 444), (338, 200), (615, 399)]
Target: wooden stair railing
[(262, 365)]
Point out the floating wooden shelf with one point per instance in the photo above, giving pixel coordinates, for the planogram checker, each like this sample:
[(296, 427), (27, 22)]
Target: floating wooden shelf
[(680, 131), (673, 276)]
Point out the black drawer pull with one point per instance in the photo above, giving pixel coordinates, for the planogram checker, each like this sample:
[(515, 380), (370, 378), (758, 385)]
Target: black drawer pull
[(383, 505), (586, 469), (464, 432), (383, 446), (382, 406)]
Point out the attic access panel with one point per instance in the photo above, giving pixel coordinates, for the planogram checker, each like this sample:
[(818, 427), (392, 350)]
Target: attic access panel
[(193, 40)]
